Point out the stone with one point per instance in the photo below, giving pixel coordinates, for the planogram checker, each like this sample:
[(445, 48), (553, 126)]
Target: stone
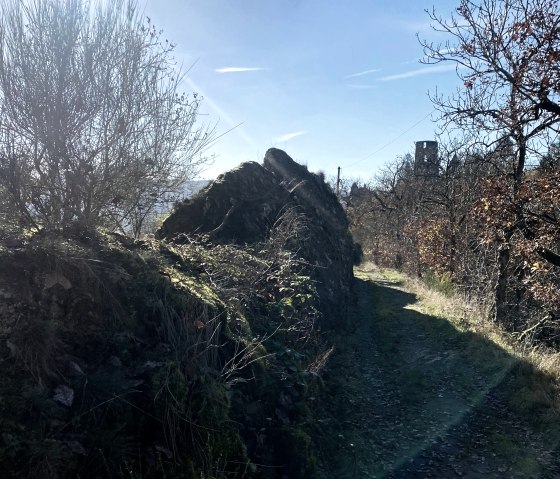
[(242, 205)]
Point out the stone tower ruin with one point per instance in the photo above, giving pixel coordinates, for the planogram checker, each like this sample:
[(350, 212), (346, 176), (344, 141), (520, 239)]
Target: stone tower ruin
[(426, 160)]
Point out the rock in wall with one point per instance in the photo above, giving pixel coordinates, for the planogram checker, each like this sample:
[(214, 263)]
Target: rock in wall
[(242, 205)]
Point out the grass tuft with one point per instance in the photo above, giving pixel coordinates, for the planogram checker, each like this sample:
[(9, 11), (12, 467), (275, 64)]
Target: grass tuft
[(534, 385)]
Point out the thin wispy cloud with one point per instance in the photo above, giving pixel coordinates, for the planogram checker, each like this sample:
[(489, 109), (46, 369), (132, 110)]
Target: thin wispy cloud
[(445, 51), (289, 136), (365, 72), (418, 72), (238, 69)]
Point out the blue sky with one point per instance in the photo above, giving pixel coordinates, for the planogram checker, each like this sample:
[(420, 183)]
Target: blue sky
[(330, 82)]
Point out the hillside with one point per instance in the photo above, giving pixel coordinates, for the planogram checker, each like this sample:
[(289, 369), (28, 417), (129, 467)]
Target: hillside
[(190, 356), (240, 344)]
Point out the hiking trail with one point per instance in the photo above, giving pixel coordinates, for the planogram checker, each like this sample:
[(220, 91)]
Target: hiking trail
[(410, 395)]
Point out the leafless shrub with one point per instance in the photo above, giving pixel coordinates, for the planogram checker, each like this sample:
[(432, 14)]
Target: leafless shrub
[(95, 129)]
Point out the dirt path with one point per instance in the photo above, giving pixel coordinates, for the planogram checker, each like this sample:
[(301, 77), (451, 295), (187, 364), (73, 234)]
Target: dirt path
[(411, 396)]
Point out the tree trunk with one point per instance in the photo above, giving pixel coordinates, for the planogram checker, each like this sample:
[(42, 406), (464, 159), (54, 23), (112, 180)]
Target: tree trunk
[(500, 306), (501, 309)]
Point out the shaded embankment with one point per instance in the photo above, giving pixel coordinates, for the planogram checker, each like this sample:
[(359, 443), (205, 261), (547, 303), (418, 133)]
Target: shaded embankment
[(411, 395)]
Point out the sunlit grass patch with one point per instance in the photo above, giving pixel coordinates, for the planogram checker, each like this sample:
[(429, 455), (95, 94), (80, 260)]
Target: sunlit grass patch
[(529, 377), (441, 283), (384, 275)]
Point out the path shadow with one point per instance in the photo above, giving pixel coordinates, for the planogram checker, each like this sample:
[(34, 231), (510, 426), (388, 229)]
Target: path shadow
[(419, 397)]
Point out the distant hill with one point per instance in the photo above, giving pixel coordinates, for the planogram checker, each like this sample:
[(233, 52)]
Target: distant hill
[(165, 205), (194, 186), (191, 188)]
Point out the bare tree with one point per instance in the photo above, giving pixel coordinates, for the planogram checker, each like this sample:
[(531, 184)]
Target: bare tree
[(94, 128), (506, 53)]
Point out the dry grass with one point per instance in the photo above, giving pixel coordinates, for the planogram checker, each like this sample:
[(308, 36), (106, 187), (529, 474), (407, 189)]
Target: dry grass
[(474, 317), (470, 316)]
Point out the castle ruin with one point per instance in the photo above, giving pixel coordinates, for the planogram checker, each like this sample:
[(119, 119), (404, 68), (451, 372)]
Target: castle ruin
[(426, 160)]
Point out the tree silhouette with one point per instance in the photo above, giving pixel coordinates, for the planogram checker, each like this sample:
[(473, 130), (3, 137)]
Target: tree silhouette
[(95, 129)]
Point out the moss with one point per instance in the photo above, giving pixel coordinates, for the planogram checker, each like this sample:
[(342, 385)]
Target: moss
[(295, 456), (146, 335)]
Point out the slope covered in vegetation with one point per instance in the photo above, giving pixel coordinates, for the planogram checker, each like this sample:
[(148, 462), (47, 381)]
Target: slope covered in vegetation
[(123, 358), (242, 205)]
